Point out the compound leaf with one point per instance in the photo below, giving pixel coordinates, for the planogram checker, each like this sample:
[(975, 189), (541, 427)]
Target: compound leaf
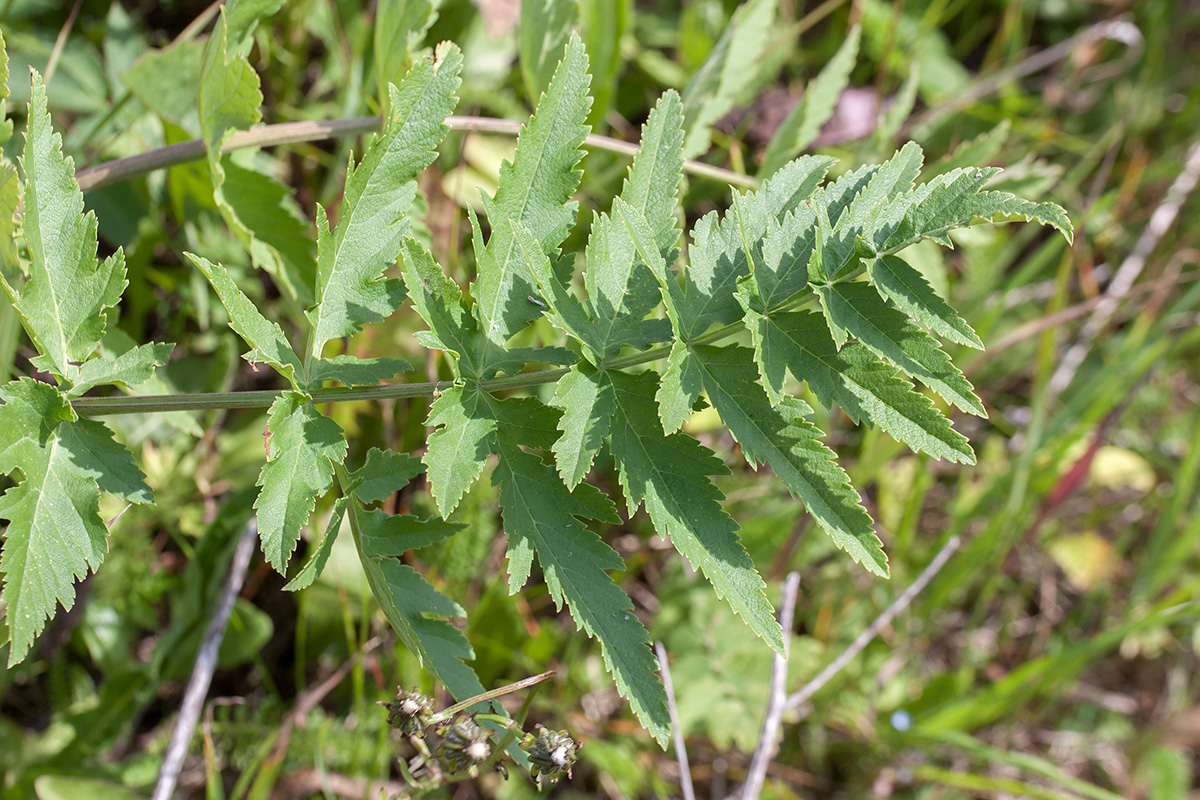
[(55, 533)]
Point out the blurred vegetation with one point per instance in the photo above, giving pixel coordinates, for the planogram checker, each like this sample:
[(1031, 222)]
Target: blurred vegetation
[(1055, 655)]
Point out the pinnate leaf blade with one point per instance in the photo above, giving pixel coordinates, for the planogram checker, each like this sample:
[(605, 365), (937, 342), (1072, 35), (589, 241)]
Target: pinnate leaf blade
[(55, 534), (781, 437), (379, 193), (670, 474), (458, 449), (587, 402), (62, 305)]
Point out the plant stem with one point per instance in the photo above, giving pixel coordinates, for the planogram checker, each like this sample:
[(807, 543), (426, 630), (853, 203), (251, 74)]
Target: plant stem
[(210, 401), (311, 131)]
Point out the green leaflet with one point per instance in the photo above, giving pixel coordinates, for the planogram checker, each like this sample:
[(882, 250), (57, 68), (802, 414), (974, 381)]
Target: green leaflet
[(459, 448), (267, 342), (535, 189), (400, 26), (586, 399), (543, 30), (302, 447), (781, 437), (867, 389), (379, 192), (316, 562), (417, 611), (62, 305), (802, 125), (132, 367), (908, 289), (670, 475), (382, 474), (857, 309), (719, 257), (257, 208), (55, 533)]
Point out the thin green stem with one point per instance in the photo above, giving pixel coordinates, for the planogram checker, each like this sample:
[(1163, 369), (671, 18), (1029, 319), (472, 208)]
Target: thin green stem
[(161, 403)]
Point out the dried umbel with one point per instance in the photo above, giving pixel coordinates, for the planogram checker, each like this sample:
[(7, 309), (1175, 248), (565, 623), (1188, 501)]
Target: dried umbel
[(409, 711), (552, 754), (465, 745)]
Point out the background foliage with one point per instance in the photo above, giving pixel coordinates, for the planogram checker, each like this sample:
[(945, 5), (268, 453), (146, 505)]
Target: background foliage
[(1053, 656)]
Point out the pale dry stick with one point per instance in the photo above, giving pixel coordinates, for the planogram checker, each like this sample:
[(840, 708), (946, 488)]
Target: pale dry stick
[(883, 620), (768, 740), (685, 772), (311, 131), (1120, 29), (1130, 270), (206, 664), (60, 43)]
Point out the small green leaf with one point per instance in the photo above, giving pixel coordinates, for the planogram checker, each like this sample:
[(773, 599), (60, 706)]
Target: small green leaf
[(316, 562), (587, 403), (670, 475), (267, 342), (535, 189), (781, 437), (303, 445), (727, 73), (400, 26), (417, 611), (383, 474), (404, 532), (542, 516), (544, 28), (867, 389), (354, 371), (132, 367), (802, 125), (459, 447)]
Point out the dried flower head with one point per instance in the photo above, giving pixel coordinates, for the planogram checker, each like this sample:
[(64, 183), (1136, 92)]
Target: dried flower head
[(552, 754), (409, 711), (465, 744)]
